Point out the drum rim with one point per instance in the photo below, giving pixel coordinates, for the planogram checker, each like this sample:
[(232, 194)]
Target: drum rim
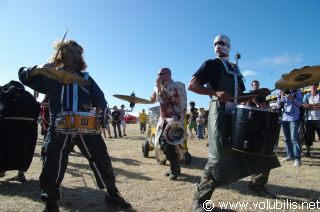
[(271, 110), (79, 113)]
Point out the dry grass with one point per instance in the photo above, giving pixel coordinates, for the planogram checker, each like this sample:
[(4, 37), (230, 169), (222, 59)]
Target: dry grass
[(142, 181)]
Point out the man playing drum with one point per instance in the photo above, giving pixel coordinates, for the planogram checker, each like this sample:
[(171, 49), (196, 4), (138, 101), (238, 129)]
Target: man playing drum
[(173, 105), (74, 98), (224, 166)]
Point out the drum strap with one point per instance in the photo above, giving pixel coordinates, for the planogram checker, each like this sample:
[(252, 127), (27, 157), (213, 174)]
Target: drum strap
[(74, 94), (61, 98), (86, 77), (236, 73), (75, 97)]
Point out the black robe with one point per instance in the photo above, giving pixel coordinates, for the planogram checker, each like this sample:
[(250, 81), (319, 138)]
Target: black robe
[(19, 113)]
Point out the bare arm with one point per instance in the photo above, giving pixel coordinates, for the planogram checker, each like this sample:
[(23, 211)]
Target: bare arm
[(196, 86), (153, 97)]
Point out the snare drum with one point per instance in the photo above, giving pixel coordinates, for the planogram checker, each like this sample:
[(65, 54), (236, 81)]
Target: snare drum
[(78, 123), (255, 130)]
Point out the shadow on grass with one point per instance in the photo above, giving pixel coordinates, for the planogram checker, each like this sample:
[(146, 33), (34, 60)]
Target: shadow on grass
[(74, 199)]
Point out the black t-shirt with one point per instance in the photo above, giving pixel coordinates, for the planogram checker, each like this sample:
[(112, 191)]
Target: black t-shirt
[(210, 71), (116, 116), (194, 112)]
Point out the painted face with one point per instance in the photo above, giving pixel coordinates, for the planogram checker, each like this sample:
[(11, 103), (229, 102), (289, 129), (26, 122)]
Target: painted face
[(71, 56), (222, 46), (164, 75)]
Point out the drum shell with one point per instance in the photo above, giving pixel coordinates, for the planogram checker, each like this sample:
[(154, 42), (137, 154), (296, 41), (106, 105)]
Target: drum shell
[(255, 130), (78, 122)]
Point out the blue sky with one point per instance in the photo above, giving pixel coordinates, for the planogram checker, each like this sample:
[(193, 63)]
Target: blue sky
[(126, 42)]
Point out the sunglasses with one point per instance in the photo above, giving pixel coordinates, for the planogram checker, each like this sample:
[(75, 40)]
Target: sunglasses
[(219, 43), (160, 74)]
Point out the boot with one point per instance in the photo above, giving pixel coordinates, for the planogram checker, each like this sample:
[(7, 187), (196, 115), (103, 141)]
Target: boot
[(261, 190), (117, 200), (202, 193), (51, 206)]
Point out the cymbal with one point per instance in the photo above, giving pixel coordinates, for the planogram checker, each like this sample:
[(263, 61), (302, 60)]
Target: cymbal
[(132, 99), (299, 78), (62, 76)]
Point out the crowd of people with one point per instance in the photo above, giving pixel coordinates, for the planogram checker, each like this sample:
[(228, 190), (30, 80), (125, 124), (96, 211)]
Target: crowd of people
[(217, 78)]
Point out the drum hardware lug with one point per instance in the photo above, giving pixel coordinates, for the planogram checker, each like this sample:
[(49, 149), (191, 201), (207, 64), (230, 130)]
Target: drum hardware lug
[(72, 121), (245, 144), (250, 114)]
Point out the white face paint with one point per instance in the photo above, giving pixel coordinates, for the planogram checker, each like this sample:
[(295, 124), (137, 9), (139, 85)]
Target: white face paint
[(222, 46)]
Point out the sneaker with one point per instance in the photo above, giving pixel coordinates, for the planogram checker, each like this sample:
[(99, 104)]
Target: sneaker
[(261, 191), (117, 200), (124, 134), (110, 137), (51, 207), (297, 163), (286, 158)]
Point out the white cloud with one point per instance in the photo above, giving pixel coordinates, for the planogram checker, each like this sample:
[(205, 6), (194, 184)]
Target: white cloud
[(248, 73), (283, 59)]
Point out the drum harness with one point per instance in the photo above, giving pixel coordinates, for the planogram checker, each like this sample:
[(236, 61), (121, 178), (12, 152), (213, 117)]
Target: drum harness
[(236, 73), (74, 97)]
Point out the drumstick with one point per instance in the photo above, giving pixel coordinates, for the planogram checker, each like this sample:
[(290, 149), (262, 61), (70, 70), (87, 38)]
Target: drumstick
[(65, 34)]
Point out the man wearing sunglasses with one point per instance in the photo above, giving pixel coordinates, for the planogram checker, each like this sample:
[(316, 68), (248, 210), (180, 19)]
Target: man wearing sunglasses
[(222, 80), (173, 104)]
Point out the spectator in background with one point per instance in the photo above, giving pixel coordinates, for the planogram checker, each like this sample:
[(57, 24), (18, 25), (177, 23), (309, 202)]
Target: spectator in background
[(311, 102), (105, 123), (143, 121), (200, 123), (116, 121), (123, 122), (192, 123), (290, 101)]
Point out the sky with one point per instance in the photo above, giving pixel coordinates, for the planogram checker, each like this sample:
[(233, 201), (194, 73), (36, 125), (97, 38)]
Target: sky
[(126, 42)]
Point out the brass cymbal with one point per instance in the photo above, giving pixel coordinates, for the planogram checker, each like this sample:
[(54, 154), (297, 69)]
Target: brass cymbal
[(62, 76), (132, 99), (299, 78)]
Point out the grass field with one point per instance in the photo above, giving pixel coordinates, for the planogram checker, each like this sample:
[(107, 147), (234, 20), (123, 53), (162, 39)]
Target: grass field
[(142, 182)]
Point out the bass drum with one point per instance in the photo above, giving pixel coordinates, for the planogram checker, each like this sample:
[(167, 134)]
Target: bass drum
[(254, 130)]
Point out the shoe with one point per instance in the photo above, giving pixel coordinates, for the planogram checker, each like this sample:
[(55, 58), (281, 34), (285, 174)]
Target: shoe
[(117, 200), (120, 136), (110, 137), (286, 158), (124, 134), (173, 177), (20, 178), (115, 136), (297, 163), (51, 207), (197, 206), (307, 155), (261, 191)]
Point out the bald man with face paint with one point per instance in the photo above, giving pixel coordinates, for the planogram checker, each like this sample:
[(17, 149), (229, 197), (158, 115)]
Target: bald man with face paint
[(221, 80)]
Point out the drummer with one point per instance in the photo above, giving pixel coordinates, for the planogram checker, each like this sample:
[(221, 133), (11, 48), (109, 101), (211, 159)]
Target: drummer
[(71, 97), (259, 101), (224, 80)]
